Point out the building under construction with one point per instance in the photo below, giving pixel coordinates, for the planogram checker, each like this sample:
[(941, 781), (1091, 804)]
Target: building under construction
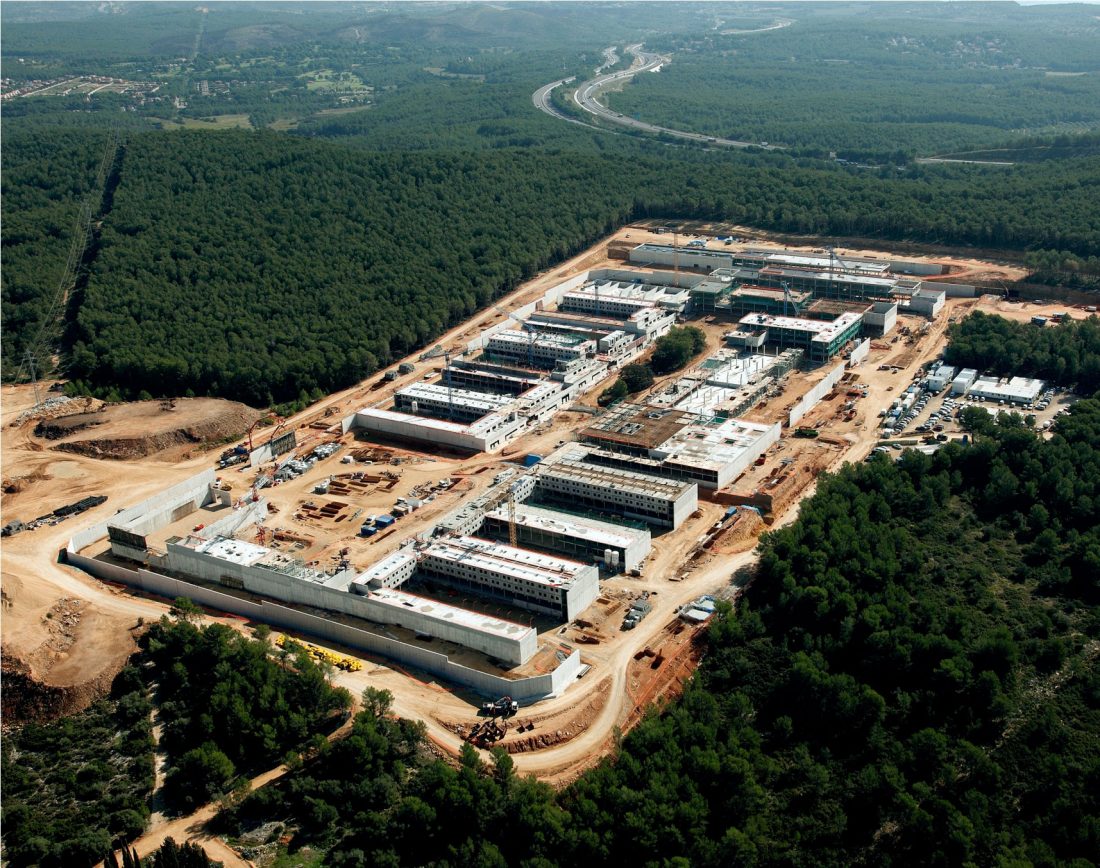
[(616, 546), (675, 445), (575, 484), (519, 577), (245, 566), (819, 339)]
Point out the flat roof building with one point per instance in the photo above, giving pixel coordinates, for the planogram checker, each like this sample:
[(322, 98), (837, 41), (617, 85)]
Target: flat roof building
[(523, 578), (390, 572), (669, 256), (579, 485), (826, 284), (747, 299), (819, 339), (1017, 390), (602, 304), (712, 453), (268, 573), (488, 434), (454, 404), (881, 318), (580, 537), (540, 349), (939, 377), (484, 377), (928, 301), (963, 381), (762, 258), (427, 617)]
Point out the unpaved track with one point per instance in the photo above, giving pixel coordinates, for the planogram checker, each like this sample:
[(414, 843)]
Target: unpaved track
[(193, 826), (31, 557)]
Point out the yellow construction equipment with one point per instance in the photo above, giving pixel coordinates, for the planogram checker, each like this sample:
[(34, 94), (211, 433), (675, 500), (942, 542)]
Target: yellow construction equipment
[(323, 655)]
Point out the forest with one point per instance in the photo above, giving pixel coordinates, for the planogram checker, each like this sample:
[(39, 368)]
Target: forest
[(909, 678), (1066, 354), (74, 787), (229, 707), (268, 264), (907, 81), (259, 266)]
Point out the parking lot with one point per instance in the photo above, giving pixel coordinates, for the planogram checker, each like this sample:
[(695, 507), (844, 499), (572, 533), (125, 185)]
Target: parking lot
[(935, 416)]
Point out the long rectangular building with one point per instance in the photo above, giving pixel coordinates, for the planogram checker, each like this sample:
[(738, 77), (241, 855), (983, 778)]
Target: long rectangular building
[(821, 340), (488, 434), (747, 299), (826, 284), (523, 578), (268, 573), (712, 454), (454, 403), (540, 349), (657, 502), (427, 617), (481, 377), (579, 537), (584, 301)]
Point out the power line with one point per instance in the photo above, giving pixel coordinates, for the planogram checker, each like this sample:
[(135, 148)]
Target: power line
[(38, 350)]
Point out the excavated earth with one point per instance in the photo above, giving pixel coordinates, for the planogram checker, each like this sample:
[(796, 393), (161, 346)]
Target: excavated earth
[(129, 431)]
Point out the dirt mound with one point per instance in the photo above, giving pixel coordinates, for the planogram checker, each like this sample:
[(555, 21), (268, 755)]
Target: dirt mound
[(63, 426), (59, 655), (15, 484), (135, 430)]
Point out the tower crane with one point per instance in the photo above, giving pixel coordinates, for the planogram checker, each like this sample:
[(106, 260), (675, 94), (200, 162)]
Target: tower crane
[(527, 327), (834, 261), (512, 541), (449, 385), (786, 296)]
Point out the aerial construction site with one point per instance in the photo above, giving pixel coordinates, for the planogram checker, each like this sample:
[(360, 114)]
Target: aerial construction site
[(470, 528)]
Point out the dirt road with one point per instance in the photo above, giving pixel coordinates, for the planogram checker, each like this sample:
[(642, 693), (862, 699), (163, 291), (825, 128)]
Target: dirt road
[(101, 641)]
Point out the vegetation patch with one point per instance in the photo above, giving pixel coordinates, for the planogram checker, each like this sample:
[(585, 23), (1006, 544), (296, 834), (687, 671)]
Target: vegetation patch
[(78, 787)]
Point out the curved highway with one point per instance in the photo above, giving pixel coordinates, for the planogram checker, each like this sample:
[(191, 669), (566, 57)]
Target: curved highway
[(586, 96), (541, 99)]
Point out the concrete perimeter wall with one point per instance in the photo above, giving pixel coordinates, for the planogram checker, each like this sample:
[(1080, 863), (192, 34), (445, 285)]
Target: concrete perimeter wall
[(955, 290), (811, 398), (260, 455), (859, 353), (154, 512), (521, 689), (253, 513)]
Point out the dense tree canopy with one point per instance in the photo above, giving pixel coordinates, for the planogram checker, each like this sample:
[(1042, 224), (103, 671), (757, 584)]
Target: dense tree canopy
[(676, 349), (1067, 354), (909, 678), (228, 708), (79, 786), (257, 266)]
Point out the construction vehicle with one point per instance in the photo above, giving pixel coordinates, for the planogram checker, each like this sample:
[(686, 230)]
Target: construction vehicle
[(322, 655), (503, 707)]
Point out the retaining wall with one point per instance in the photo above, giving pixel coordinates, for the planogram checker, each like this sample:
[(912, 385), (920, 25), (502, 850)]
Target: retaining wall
[(197, 488), (522, 689), (859, 353), (811, 398)]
